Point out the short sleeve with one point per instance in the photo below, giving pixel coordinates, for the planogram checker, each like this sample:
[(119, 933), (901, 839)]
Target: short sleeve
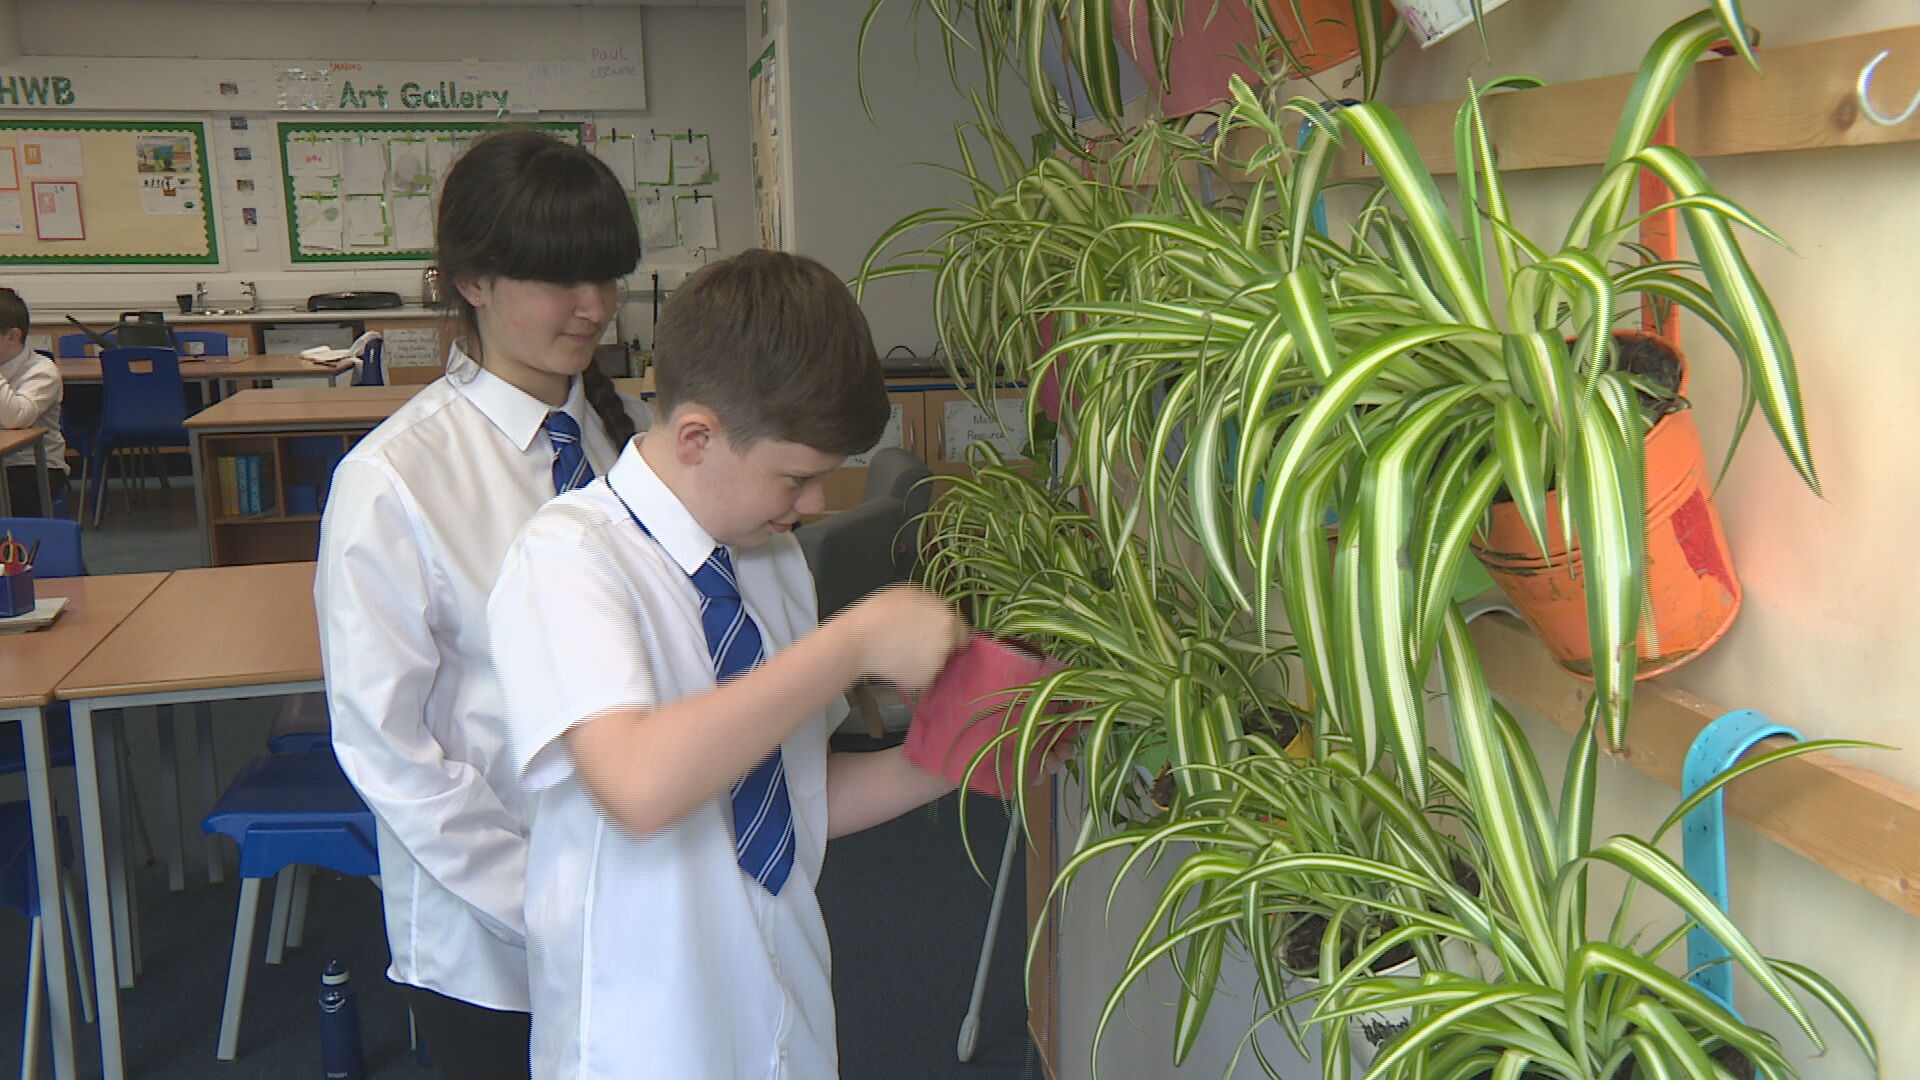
[(568, 637)]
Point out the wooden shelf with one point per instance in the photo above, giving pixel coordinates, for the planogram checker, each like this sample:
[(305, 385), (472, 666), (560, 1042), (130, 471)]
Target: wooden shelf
[(1801, 99), (1856, 823)]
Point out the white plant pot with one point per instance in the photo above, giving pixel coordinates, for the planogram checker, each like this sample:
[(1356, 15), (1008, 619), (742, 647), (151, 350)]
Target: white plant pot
[(1431, 20)]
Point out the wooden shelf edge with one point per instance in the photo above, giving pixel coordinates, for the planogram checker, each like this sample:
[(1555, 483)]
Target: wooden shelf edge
[(1852, 821), (1801, 99)]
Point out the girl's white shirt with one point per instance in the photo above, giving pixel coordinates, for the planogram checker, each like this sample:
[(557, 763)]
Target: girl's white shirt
[(418, 519), (30, 391), (654, 957)]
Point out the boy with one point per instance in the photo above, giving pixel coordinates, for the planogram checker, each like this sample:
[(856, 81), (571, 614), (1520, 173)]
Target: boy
[(677, 826), (29, 397)]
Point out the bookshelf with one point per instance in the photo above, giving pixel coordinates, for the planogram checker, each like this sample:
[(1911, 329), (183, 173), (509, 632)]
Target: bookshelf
[(262, 460)]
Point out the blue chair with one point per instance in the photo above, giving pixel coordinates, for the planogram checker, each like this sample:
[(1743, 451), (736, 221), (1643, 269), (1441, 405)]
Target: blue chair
[(211, 342), (370, 373), (144, 406), (20, 890), (74, 346), (284, 811)]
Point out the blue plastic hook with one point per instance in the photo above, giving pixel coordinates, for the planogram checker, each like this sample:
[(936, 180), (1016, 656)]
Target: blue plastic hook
[(1704, 835)]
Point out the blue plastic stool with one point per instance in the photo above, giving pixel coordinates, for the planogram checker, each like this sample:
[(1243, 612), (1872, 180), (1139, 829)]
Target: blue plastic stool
[(285, 811), (20, 890), (1716, 749)]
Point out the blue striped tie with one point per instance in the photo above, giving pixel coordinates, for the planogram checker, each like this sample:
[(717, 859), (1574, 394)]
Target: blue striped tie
[(762, 814), (571, 469)]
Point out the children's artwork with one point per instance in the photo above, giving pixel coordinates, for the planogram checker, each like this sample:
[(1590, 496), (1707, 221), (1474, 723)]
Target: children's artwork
[(169, 153), (652, 160), (321, 229), (366, 221), (407, 170), (694, 216), (412, 222), (56, 211), (316, 185), (12, 222), (51, 157), (313, 155), (617, 152), (693, 159), (658, 233), (442, 152), (169, 193), (363, 166)]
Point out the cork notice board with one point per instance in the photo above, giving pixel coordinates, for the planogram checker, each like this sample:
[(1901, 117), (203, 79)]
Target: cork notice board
[(104, 191)]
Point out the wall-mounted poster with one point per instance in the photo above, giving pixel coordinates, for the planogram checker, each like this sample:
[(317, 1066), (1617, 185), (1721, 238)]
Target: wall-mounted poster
[(56, 210)]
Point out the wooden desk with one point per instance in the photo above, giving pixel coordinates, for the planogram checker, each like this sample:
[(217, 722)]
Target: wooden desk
[(12, 439), (223, 368), (218, 634), (31, 665), (266, 423)]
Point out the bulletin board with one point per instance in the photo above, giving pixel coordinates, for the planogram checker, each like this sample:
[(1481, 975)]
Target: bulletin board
[(363, 192), (79, 192)]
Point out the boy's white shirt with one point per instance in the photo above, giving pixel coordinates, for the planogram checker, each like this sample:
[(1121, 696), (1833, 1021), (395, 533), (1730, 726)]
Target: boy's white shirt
[(418, 518), (654, 956), (30, 392)]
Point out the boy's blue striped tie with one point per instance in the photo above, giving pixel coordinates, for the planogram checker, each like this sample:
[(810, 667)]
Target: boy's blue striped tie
[(571, 469), (762, 815)]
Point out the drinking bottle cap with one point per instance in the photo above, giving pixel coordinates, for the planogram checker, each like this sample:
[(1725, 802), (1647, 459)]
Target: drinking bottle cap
[(335, 974)]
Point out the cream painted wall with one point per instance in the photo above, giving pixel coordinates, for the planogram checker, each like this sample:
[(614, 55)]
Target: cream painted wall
[(1828, 624)]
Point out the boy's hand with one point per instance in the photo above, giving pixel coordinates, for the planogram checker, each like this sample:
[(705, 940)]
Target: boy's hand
[(904, 635)]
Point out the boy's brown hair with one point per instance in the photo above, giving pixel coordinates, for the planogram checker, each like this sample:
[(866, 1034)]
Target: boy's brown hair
[(773, 343), (13, 313)]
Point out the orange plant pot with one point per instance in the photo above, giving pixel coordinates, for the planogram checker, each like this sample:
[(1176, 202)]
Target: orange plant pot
[(1207, 52), (1693, 591)]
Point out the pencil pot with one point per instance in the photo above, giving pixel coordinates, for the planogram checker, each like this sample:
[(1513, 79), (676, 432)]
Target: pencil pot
[(16, 593)]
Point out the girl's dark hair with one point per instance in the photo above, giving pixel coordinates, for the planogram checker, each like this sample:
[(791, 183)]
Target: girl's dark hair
[(522, 204)]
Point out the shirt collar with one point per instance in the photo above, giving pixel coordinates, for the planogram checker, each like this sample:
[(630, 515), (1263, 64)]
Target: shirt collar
[(517, 414), (635, 483)]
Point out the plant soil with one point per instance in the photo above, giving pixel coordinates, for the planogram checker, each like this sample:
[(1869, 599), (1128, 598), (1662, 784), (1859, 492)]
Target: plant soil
[(1281, 722), (1654, 360)]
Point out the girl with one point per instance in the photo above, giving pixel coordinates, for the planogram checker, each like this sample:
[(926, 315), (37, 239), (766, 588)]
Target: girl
[(533, 235)]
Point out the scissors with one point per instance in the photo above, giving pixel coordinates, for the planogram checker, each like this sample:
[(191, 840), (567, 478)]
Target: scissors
[(13, 553)]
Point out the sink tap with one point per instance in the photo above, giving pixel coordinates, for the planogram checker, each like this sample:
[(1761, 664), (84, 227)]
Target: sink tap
[(253, 296), (199, 296)]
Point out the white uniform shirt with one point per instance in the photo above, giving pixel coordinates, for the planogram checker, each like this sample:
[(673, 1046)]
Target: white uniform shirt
[(30, 397), (654, 956), (417, 520)]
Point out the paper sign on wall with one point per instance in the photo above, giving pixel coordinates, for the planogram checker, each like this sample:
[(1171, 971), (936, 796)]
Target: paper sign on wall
[(313, 157), (657, 230), (51, 157), (1005, 428), (56, 211), (694, 215), (321, 229), (411, 346), (12, 222), (692, 159), (652, 160), (890, 436), (9, 170), (170, 195), (363, 166), (412, 222)]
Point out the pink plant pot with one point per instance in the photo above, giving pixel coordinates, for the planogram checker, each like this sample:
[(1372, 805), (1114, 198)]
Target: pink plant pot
[(971, 702)]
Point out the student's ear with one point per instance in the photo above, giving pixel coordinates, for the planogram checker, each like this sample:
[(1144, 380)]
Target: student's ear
[(473, 290), (696, 430)]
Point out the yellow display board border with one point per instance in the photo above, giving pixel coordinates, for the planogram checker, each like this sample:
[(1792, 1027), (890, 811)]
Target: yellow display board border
[(195, 128), (569, 130)]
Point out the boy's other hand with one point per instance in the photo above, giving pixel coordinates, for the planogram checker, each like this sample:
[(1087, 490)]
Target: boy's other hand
[(904, 635)]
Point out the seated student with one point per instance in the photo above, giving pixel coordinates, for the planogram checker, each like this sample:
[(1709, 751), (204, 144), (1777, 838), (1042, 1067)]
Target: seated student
[(30, 393), (677, 826)]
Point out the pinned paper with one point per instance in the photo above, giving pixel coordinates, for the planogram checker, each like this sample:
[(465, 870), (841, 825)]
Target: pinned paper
[(412, 222), (442, 152), (366, 221), (617, 152), (12, 223), (363, 166), (652, 160), (408, 172), (56, 211), (321, 229), (316, 185), (312, 156), (51, 157), (694, 215), (657, 230), (692, 159)]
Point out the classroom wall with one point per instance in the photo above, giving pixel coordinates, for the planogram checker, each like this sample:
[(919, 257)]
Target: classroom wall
[(853, 177), (693, 74), (1826, 632)]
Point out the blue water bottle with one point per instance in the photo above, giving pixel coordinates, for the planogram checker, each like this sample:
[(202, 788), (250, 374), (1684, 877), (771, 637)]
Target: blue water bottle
[(340, 1057)]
